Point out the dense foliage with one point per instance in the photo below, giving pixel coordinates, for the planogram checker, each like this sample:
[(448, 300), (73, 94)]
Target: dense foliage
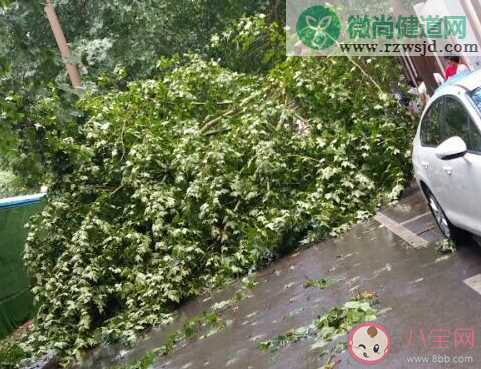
[(108, 39), (10, 354), (182, 182), (104, 34), (10, 185)]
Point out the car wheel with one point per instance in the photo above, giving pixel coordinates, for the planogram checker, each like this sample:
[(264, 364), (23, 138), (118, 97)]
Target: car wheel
[(447, 228)]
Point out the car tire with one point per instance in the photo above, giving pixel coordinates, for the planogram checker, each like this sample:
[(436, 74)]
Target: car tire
[(448, 230)]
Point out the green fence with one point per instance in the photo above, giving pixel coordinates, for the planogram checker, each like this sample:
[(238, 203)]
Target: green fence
[(16, 304)]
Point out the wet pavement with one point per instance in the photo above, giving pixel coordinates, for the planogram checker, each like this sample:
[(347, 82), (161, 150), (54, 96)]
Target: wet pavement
[(426, 301)]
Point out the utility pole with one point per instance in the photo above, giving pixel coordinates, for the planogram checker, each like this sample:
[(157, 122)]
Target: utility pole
[(62, 44)]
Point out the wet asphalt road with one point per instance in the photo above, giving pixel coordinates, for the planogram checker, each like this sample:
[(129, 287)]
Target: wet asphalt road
[(425, 303)]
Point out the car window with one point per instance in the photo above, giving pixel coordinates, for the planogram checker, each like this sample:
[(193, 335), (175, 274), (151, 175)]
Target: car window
[(431, 134), (459, 123), (475, 134), (456, 120), (476, 97), (475, 137)]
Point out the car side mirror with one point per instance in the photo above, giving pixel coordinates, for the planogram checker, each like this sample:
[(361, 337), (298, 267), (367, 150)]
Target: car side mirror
[(452, 148)]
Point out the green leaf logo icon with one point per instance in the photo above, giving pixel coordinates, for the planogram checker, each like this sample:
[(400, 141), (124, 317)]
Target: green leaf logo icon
[(318, 27)]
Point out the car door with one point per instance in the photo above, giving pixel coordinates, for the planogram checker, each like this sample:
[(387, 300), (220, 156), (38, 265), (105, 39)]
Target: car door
[(461, 177)]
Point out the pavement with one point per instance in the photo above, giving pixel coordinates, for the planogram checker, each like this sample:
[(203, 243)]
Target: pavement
[(430, 303)]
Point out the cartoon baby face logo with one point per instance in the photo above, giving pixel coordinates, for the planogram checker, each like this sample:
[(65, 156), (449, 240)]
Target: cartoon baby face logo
[(369, 343)]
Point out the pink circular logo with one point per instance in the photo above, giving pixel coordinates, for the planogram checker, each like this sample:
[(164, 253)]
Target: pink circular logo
[(369, 343)]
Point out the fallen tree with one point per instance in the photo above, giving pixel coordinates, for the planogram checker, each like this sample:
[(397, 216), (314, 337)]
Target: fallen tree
[(183, 182)]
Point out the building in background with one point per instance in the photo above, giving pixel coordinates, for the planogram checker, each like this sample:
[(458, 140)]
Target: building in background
[(426, 66)]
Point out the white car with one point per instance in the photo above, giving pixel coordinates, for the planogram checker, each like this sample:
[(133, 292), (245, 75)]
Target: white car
[(447, 156)]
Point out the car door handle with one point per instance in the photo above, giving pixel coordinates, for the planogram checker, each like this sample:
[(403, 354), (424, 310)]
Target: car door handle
[(448, 170), (425, 164)]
